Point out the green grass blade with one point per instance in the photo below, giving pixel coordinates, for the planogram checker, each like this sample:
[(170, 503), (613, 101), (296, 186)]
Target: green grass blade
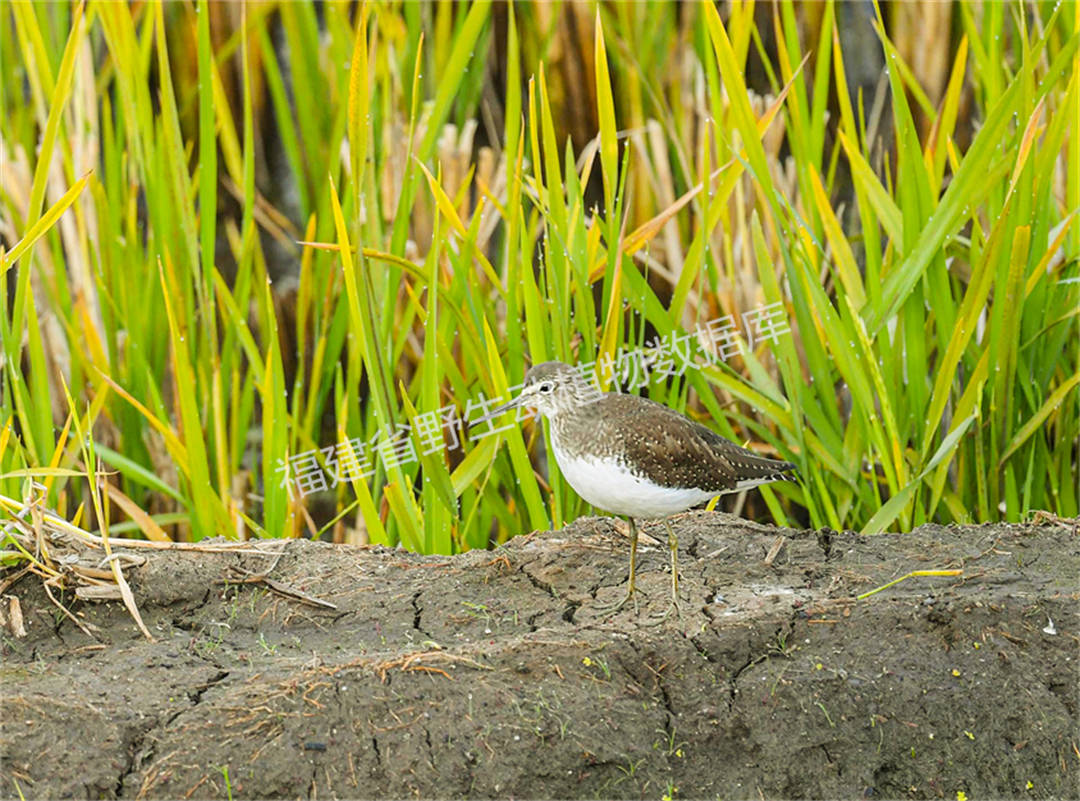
[(889, 511)]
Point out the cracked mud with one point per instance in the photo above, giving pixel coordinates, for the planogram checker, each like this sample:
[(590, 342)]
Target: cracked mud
[(494, 674)]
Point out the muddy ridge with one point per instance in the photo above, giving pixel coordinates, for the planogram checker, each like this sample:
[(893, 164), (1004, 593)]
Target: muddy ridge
[(496, 674)]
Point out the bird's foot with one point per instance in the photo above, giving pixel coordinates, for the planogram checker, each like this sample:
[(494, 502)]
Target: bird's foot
[(674, 606), (610, 609)]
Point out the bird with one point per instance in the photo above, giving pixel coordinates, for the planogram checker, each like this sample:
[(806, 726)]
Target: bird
[(632, 456)]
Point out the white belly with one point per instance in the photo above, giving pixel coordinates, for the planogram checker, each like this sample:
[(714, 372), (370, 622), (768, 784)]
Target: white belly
[(611, 487)]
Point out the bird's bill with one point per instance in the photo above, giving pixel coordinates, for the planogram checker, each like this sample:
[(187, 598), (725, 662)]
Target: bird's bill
[(497, 411)]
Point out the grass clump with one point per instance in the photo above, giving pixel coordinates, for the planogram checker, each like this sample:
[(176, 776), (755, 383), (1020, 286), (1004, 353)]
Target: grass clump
[(482, 186)]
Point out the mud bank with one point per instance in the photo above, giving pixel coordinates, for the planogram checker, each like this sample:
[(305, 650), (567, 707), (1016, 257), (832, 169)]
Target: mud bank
[(495, 674)]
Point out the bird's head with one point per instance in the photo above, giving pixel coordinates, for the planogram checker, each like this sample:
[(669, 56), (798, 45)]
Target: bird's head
[(551, 388)]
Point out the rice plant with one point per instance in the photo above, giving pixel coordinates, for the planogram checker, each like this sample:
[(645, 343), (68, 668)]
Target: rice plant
[(261, 262)]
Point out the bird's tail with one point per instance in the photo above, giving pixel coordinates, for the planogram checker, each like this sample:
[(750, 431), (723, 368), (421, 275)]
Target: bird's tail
[(757, 470)]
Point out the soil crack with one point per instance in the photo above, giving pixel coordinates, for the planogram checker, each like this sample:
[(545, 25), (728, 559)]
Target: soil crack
[(780, 636), (548, 588), (136, 751), (198, 690), (658, 679), (132, 750), (540, 584), (824, 540), (418, 612)]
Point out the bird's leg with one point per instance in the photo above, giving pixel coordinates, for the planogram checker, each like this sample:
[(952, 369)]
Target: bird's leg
[(633, 566), (673, 546)]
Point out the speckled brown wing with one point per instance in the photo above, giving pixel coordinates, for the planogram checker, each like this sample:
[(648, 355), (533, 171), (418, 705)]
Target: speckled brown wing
[(674, 451)]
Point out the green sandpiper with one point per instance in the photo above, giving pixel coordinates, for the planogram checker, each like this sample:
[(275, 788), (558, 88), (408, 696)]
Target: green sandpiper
[(635, 457)]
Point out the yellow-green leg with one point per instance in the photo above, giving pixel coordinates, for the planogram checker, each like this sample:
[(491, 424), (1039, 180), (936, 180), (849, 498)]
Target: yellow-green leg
[(633, 568), (673, 546)]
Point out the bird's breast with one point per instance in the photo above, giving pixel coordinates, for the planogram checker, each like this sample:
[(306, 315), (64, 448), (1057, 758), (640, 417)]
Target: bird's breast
[(608, 483)]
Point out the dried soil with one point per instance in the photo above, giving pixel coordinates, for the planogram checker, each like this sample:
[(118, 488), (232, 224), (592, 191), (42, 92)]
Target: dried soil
[(495, 674)]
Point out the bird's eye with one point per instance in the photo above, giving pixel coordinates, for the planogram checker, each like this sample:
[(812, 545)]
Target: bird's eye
[(546, 387)]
